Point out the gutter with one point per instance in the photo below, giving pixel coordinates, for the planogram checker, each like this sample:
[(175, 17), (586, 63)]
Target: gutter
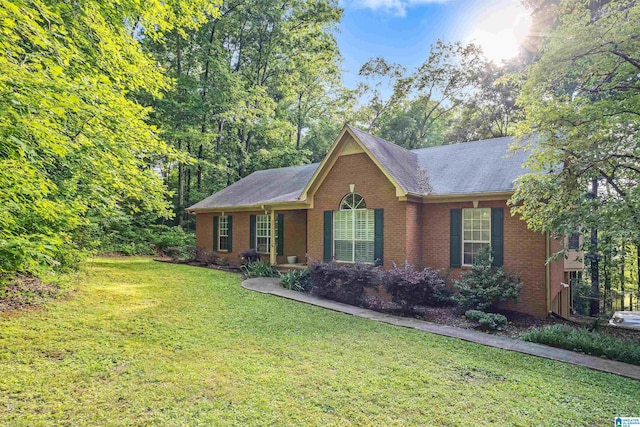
[(299, 204), (547, 272)]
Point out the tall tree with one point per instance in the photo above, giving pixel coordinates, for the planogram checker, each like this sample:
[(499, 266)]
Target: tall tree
[(582, 100), (71, 139), (248, 86)]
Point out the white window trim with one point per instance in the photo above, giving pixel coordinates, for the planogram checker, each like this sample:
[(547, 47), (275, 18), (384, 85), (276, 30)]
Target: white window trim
[(268, 236), (353, 240), (220, 235), (472, 241)]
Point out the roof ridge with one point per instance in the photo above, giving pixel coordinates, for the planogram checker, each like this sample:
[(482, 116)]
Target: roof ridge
[(377, 137)]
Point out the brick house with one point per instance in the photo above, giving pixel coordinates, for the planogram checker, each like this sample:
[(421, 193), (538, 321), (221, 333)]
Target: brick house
[(370, 200)]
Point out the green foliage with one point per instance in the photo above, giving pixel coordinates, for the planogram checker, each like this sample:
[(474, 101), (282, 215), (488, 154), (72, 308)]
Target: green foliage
[(259, 269), (71, 138), (588, 342), (248, 87), (486, 321), (581, 99), (133, 235), (581, 294), (414, 114), (181, 253), (484, 286), (297, 280)]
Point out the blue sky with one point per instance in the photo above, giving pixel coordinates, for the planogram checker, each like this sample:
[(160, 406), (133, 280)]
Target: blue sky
[(402, 30)]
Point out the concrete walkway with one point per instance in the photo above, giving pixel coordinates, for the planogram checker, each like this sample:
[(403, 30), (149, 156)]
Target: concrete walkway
[(272, 286)]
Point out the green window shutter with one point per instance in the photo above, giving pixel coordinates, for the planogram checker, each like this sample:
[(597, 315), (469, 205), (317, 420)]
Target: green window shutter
[(455, 243), (328, 236), (230, 225), (378, 249), (280, 248), (216, 228), (497, 236), (252, 232)]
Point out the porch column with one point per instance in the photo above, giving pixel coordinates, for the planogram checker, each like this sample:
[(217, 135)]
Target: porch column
[(272, 248)]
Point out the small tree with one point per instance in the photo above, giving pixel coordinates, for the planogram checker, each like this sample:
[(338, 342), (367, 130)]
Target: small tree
[(484, 286)]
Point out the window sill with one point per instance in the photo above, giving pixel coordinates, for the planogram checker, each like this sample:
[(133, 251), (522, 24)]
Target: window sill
[(223, 250), (354, 262)]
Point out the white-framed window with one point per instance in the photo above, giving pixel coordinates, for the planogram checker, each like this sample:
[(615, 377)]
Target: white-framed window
[(573, 241), (263, 233), (476, 232), (353, 230), (223, 233)]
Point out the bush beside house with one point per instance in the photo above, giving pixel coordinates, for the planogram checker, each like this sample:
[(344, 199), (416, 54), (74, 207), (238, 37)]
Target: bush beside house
[(586, 341)]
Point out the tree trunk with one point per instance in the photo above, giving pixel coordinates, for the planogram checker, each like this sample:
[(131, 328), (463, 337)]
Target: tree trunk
[(622, 260), (606, 271), (299, 134), (199, 169), (179, 214), (638, 276), (187, 192), (594, 306)]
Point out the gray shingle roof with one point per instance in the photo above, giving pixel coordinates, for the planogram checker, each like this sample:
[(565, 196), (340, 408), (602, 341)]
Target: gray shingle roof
[(485, 166), (401, 163), (267, 186)]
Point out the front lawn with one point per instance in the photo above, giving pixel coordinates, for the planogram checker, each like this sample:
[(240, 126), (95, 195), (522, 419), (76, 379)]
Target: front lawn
[(143, 342)]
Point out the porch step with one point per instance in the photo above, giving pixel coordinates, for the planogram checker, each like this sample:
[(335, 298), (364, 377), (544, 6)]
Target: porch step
[(285, 268)]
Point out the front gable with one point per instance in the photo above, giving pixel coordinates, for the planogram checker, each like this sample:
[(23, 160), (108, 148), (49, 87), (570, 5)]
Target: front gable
[(347, 143)]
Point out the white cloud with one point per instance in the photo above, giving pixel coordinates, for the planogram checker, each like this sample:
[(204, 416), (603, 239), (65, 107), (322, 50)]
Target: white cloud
[(395, 7)]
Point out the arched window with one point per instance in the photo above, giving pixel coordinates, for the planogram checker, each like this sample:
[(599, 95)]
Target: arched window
[(353, 230), (352, 201)]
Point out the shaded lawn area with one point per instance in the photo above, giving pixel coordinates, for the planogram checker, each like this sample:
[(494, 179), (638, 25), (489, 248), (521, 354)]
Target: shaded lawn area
[(143, 342)]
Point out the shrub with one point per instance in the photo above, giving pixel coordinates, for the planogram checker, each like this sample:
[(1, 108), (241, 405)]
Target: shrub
[(176, 253), (581, 297), (297, 280), (250, 255), (163, 237), (585, 341), (486, 321), (206, 256), (344, 283), (409, 287), (484, 286), (259, 269)]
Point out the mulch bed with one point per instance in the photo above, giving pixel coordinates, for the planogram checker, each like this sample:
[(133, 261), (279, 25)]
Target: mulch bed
[(518, 324), (25, 292)]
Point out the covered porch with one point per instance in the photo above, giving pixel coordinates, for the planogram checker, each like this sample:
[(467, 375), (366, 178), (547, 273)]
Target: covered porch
[(281, 237)]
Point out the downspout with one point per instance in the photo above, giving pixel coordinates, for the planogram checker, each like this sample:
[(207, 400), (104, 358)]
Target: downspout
[(547, 271)]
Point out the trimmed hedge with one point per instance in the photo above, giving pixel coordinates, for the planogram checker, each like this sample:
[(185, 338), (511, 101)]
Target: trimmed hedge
[(585, 341)]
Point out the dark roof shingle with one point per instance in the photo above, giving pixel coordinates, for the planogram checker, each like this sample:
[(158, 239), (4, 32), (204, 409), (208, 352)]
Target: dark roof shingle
[(486, 166)]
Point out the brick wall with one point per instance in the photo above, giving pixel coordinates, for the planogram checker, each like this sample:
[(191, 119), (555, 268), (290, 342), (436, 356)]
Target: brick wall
[(378, 193), (294, 234), (414, 234), (524, 251), (204, 230)]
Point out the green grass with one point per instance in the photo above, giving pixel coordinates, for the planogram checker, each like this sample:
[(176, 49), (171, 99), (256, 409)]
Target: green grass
[(585, 341), (147, 343)]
